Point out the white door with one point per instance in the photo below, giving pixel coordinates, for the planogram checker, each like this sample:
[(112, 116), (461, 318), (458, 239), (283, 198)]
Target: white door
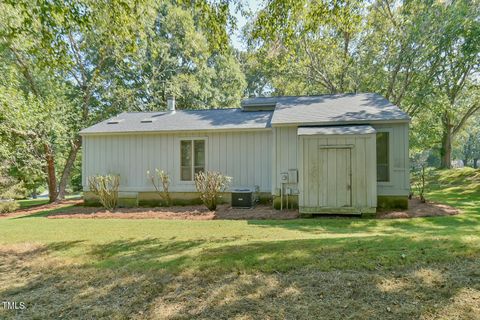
[(329, 179), (335, 182)]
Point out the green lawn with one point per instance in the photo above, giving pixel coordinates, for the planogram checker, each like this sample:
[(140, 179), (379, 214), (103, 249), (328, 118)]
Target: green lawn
[(32, 202), (39, 201), (331, 268)]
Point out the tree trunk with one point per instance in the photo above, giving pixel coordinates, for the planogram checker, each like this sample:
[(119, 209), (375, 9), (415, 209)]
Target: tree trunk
[(50, 170), (475, 163), (67, 169), (346, 43), (446, 150)]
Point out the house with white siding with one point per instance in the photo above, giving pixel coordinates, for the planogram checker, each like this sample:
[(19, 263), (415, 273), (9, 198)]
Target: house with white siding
[(344, 153)]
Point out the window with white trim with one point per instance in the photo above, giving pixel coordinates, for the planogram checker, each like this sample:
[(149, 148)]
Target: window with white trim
[(383, 156), (192, 158)]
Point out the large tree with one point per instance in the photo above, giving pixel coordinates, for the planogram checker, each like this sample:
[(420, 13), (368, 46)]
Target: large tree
[(422, 55), (310, 44), (174, 57), (110, 56), (71, 43), (455, 67)]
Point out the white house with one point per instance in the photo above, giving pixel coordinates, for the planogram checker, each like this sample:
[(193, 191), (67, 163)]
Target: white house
[(345, 153)]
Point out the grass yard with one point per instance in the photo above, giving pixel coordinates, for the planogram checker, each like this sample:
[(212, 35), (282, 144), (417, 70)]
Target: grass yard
[(39, 201), (339, 268)]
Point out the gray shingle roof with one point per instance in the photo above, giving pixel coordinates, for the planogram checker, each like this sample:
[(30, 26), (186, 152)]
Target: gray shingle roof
[(361, 107), (307, 131), (300, 110), (183, 120)]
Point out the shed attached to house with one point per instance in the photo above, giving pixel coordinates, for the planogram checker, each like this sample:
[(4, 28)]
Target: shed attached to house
[(337, 169), (325, 154)]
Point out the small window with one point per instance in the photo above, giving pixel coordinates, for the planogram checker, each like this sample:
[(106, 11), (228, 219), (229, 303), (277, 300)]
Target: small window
[(192, 158), (383, 158)]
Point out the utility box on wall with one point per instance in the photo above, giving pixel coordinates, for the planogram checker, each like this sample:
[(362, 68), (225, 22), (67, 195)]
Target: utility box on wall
[(292, 176)]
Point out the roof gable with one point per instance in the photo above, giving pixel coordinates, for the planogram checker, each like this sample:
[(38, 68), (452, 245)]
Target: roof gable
[(339, 108)]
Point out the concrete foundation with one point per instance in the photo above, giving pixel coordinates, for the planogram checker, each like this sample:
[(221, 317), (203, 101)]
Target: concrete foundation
[(153, 199), (392, 202)]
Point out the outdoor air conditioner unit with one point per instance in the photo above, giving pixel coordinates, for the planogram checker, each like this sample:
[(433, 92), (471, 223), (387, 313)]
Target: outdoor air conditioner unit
[(242, 198)]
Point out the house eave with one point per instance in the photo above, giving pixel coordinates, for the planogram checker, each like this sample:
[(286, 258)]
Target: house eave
[(110, 133), (330, 123)]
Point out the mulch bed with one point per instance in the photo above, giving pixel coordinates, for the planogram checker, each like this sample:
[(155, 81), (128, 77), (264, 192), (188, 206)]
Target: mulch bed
[(418, 209), (64, 210), (176, 213)]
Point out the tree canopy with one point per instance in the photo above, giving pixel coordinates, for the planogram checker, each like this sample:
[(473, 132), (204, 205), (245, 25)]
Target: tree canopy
[(74, 63), (421, 55), (68, 64)]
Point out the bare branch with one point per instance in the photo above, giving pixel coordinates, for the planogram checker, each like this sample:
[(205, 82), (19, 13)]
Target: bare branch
[(470, 112), (26, 72)]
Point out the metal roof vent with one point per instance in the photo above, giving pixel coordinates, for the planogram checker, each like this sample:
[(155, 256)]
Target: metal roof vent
[(114, 121), (259, 104), (171, 104)]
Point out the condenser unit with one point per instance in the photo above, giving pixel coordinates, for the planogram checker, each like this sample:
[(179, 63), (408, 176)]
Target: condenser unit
[(242, 198)]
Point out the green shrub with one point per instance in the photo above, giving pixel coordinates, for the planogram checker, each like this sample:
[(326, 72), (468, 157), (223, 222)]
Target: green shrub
[(210, 184), (8, 206), (161, 183), (106, 189), (418, 175)]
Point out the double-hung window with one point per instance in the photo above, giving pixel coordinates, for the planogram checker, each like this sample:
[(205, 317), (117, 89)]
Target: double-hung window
[(383, 156), (192, 158)]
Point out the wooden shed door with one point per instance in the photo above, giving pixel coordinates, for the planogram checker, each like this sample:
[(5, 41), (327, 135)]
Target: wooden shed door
[(329, 177)]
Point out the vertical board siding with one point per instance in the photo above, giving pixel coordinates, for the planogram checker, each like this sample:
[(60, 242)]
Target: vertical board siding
[(285, 152), (250, 158), (245, 156), (286, 156), (331, 182), (326, 172), (399, 183)]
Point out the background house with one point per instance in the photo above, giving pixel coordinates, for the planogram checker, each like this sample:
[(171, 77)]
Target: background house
[(343, 153)]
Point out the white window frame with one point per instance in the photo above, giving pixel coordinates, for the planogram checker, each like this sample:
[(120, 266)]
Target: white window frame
[(390, 156), (179, 170)]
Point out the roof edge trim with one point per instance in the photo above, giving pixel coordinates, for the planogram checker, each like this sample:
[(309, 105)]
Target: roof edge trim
[(171, 131)]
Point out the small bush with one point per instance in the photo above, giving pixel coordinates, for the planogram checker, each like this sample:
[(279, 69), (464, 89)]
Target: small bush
[(8, 206), (16, 191), (210, 184), (106, 189), (161, 183), (418, 186)]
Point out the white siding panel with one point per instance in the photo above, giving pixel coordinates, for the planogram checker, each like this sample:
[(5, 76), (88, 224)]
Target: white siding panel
[(285, 152), (399, 183), (245, 156), (285, 148), (325, 172)]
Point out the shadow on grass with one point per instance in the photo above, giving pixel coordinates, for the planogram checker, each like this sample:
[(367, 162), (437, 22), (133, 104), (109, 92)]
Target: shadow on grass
[(344, 253), (142, 254), (427, 225), (44, 213), (375, 277)]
